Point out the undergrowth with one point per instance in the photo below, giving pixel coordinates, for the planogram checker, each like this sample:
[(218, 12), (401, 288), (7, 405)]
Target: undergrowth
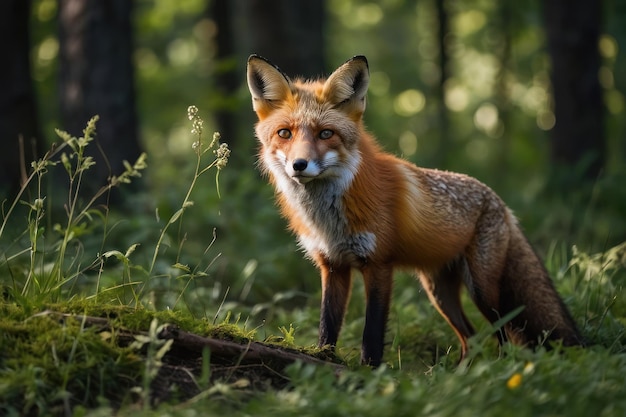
[(49, 365), (54, 364)]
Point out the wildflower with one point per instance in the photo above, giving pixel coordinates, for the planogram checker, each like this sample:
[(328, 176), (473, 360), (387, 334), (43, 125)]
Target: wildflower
[(192, 111), (529, 368), (197, 126), (514, 381), (39, 203), (216, 139), (222, 153)]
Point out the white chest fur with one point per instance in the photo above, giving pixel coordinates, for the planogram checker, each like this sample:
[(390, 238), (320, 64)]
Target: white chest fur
[(320, 206)]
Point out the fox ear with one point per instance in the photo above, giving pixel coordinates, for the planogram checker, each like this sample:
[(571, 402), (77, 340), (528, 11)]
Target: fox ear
[(267, 84), (348, 84)]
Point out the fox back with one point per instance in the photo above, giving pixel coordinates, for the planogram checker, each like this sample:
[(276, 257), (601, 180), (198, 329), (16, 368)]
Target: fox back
[(354, 206)]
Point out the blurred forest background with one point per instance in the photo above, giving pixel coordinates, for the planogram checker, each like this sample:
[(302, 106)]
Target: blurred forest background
[(526, 96)]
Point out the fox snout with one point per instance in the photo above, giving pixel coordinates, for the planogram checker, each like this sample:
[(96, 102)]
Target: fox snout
[(306, 168), (301, 160), (302, 170)]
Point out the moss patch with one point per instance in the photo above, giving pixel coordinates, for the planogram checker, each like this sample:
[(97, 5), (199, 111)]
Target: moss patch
[(48, 365)]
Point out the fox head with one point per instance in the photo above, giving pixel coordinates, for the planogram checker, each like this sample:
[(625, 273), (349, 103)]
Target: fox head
[(309, 129)]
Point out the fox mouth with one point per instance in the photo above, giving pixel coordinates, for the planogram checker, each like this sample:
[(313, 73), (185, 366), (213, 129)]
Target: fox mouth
[(302, 179)]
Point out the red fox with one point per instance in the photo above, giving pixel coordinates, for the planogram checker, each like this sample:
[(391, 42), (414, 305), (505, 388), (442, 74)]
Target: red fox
[(353, 206)]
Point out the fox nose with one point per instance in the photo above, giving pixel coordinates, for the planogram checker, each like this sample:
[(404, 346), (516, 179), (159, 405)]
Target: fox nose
[(300, 164)]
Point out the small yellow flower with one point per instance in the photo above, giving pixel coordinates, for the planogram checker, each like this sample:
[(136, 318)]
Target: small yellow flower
[(514, 381)]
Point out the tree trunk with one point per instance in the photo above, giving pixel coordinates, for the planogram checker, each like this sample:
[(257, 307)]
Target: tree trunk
[(573, 28), (443, 147), (227, 78), (96, 77), (20, 134), (288, 33), (503, 146)]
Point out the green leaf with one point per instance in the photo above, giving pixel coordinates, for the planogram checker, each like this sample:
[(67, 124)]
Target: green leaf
[(182, 267), (131, 249), (119, 255)]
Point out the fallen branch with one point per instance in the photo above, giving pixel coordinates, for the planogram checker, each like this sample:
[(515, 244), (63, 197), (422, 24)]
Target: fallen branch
[(251, 352), (221, 350)]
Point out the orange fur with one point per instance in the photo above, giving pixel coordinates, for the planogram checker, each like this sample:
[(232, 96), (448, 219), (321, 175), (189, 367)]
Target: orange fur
[(354, 206)]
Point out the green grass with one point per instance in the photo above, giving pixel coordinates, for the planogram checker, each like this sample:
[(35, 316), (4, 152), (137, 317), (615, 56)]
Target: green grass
[(146, 270)]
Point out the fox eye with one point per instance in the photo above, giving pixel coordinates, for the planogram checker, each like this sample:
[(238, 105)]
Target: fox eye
[(284, 133), (326, 134)]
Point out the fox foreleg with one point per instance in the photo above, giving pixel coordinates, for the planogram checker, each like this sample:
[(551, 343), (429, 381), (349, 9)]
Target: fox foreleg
[(336, 287), (378, 286)]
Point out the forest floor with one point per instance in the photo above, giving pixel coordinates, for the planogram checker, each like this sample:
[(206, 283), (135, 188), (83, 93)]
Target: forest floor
[(77, 358)]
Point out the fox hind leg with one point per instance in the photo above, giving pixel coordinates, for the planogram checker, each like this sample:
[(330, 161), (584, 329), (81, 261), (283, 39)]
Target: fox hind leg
[(443, 289), (504, 274)]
